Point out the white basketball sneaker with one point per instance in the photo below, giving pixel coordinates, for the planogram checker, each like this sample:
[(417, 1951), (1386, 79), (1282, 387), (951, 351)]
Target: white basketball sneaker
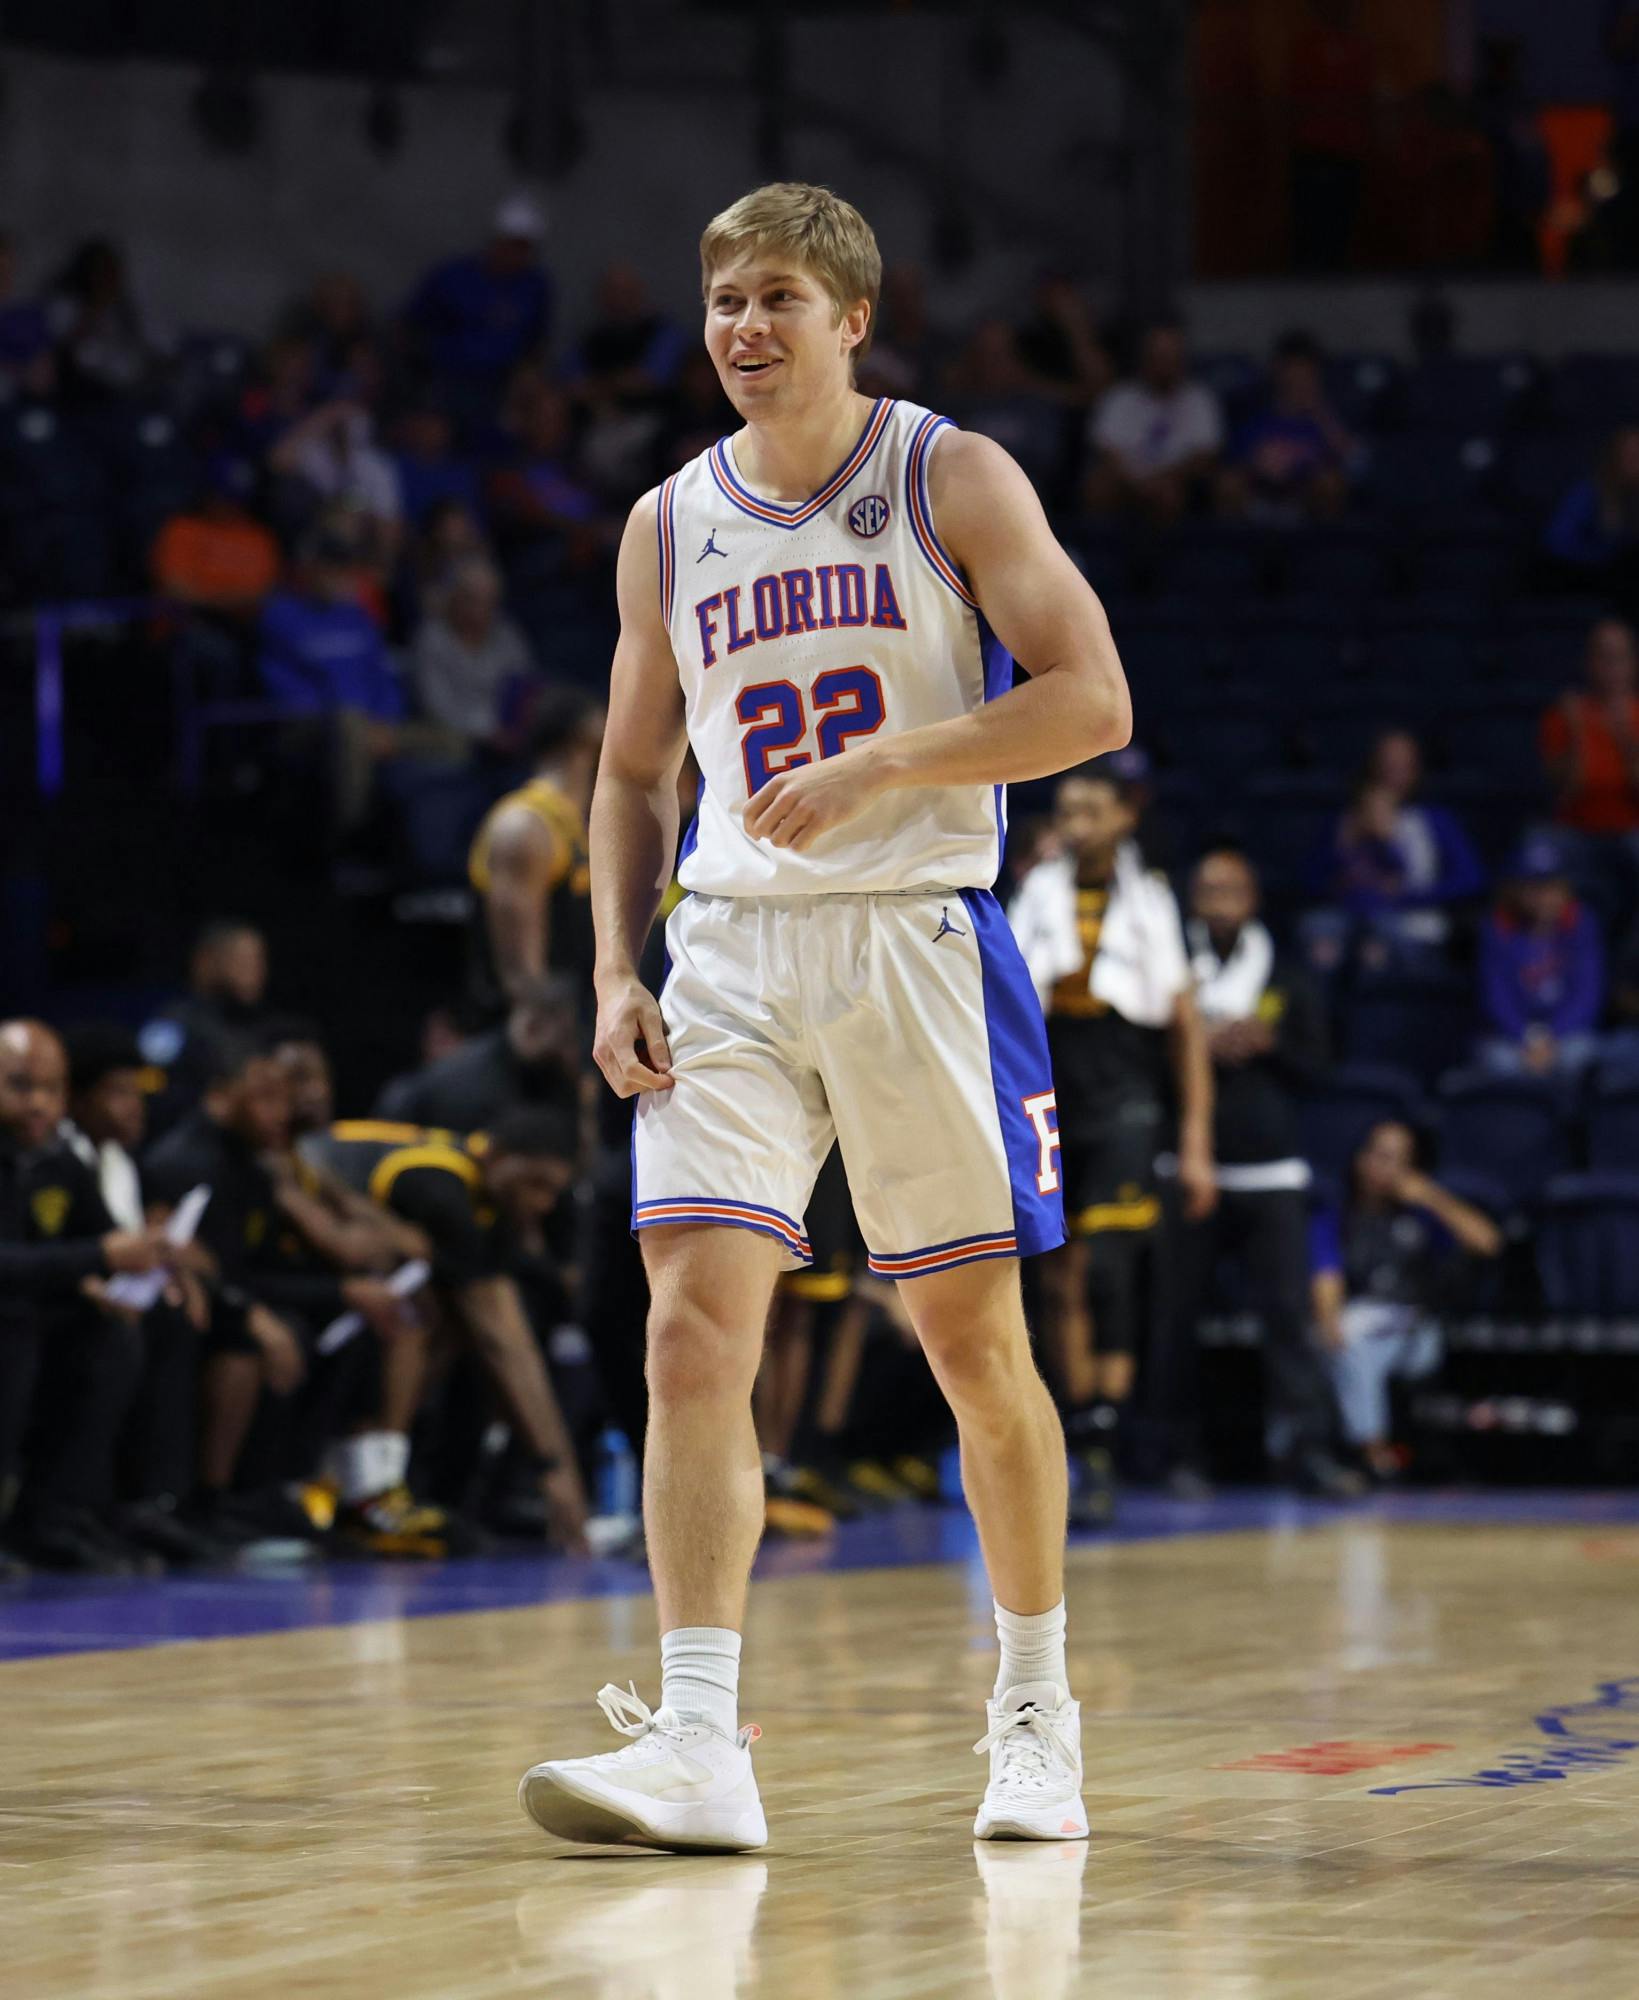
[(1034, 1740), (677, 1784)]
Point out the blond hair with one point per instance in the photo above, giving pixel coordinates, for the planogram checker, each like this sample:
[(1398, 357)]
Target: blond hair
[(811, 225)]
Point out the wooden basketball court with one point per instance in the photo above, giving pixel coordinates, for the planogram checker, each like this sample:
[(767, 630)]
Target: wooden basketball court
[(329, 1811)]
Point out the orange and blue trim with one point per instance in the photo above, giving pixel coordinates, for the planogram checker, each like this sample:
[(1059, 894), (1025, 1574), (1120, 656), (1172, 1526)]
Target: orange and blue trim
[(666, 528), (920, 511), (729, 1214), (778, 513), (944, 1256)]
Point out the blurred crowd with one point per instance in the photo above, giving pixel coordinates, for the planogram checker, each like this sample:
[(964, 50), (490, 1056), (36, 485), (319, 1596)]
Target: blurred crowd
[(399, 1327)]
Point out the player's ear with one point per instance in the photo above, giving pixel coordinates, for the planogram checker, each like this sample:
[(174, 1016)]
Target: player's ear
[(855, 323)]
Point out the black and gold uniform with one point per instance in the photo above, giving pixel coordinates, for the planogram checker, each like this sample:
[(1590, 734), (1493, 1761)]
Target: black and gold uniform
[(569, 886), (1111, 1078), (427, 1177)]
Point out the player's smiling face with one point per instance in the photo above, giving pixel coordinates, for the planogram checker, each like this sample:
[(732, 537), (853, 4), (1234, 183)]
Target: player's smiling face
[(773, 332)]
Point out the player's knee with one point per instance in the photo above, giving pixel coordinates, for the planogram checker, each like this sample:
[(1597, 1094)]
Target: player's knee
[(979, 1371), (693, 1357)]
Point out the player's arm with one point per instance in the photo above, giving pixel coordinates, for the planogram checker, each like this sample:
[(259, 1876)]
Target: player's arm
[(492, 1314), (634, 816), (1075, 704), (526, 862), (1192, 1074)]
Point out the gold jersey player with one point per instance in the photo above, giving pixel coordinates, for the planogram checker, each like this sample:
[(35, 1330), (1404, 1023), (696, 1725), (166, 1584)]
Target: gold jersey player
[(827, 606)]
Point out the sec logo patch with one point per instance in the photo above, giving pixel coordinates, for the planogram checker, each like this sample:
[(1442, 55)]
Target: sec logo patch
[(869, 516)]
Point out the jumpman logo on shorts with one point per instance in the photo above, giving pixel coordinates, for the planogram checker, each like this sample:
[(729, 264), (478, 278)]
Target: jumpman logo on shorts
[(711, 548), (946, 927)]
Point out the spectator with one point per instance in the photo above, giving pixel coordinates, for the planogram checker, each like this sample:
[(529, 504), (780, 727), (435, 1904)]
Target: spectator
[(1333, 91), (1375, 1282), (320, 649), (538, 496), (1292, 461), (1542, 969), (1061, 345), (630, 353), (332, 453), (1103, 941), (1395, 865), (1156, 439), (991, 389), (1521, 172), (904, 355), (1594, 531), (332, 317), (106, 348), (227, 992), (216, 557), (450, 535), (24, 332), (698, 413), (283, 392), (477, 317), (1621, 37), (430, 473), (469, 658), (1590, 737), (1266, 1037), (529, 1059)]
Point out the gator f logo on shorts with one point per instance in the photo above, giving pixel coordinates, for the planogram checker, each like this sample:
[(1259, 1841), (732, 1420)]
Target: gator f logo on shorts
[(1043, 1112)]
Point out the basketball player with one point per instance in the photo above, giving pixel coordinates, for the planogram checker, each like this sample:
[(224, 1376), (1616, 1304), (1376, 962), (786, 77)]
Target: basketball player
[(824, 606)]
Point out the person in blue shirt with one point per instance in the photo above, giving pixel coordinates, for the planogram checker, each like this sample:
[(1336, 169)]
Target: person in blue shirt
[(476, 317), (1293, 459), (1377, 1263), (1542, 969), (1394, 866), (1594, 530)]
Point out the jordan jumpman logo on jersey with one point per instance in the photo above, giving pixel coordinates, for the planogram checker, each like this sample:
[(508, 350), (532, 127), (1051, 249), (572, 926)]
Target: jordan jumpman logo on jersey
[(946, 927), (711, 548)]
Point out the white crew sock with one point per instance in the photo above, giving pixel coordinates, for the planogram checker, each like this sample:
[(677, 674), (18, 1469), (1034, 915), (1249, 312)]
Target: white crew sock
[(370, 1464), (1032, 1648), (700, 1675)]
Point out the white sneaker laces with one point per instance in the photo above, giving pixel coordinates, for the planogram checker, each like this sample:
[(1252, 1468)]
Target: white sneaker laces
[(1034, 1747), (628, 1712)]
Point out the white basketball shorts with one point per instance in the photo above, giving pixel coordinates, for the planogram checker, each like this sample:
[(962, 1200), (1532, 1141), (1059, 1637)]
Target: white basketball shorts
[(905, 1026)]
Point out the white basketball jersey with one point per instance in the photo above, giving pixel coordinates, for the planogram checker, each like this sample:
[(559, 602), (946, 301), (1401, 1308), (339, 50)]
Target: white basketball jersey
[(802, 629)]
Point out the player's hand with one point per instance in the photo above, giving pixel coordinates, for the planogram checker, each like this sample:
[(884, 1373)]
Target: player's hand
[(135, 1250), (630, 1044), (1197, 1182), (796, 806), (566, 1510), (282, 1359)]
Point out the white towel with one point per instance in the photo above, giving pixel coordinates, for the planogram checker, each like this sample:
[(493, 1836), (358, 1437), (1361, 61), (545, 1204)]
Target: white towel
[(1140, 967), (1229, 989)]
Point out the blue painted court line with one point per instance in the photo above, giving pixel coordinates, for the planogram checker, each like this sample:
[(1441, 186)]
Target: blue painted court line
[(57, 1615)]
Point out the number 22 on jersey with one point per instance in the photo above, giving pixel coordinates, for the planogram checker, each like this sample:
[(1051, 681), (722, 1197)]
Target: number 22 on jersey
[(846, 702)]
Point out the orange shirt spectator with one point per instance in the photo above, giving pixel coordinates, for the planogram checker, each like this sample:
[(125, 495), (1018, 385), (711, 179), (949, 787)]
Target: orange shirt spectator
[(1590, 739), (218, 557)]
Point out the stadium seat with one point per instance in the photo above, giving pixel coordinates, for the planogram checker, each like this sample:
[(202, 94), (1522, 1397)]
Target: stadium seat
[(1512, 1128), (1418, 1022), (1496, 739), (1339, 1113), (1433, 474), (1613, 1123), (1588, 1245), (1467, 392), (1542, 465), (1597, 389), (1364, 388)]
